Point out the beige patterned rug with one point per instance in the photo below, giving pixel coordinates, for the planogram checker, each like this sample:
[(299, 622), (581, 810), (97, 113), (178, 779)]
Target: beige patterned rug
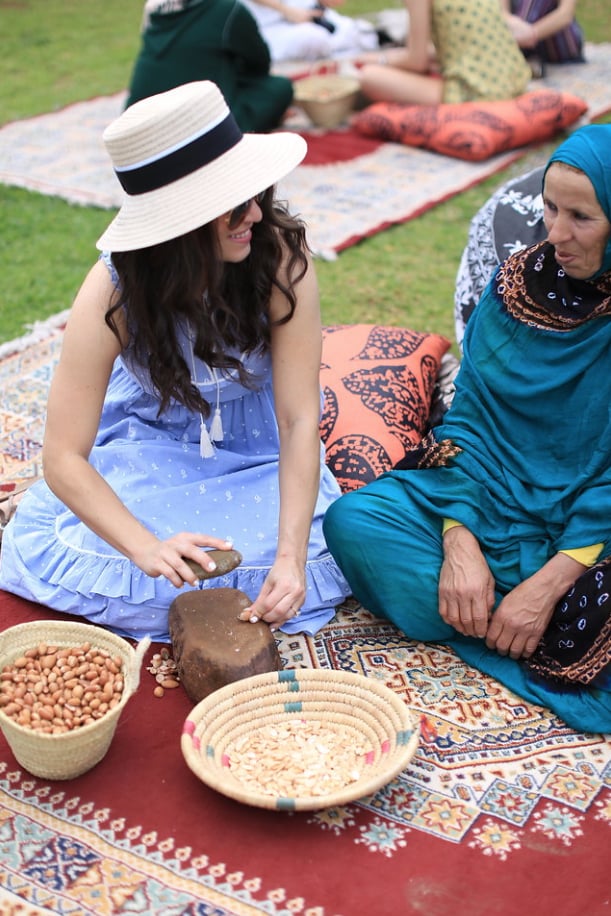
[(62, 154)]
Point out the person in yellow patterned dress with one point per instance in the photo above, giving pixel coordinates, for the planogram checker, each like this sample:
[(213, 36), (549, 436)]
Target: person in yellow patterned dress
[(456, 51)]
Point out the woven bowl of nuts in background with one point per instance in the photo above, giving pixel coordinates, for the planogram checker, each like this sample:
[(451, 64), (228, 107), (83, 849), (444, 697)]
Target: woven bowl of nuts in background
[(63, 687), (327, 98), (299, 740)]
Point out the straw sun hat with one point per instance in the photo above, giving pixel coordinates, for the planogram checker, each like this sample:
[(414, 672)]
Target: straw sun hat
[(183, 161)]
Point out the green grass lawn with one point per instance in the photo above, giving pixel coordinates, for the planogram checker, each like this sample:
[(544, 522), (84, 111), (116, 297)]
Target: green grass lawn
[(54, 52)]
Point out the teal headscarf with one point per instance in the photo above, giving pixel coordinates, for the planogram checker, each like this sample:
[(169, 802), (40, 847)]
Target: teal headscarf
[(589, 149)]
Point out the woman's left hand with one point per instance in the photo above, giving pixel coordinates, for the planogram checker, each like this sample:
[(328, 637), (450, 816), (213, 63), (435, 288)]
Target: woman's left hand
[(281, 596), (520, 620), (523, 32), (296, 355), (522, 617)]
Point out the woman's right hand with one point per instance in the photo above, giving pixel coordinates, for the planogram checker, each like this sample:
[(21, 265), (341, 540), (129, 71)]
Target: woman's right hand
[(466, 585), (522, 31), (296, 15), (168, 558)]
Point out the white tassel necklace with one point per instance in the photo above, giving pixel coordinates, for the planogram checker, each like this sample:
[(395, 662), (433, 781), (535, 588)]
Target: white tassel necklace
[(207, 438)]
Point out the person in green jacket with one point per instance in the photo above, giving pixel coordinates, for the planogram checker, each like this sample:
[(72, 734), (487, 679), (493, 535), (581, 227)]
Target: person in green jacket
[(188, 40)]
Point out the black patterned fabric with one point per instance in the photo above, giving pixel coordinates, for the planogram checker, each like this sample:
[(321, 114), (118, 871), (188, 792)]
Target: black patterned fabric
[(576, 646), (512, 219), (536, 290)]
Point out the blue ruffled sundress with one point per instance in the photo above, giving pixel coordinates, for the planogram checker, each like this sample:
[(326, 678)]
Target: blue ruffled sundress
[(154, 465)]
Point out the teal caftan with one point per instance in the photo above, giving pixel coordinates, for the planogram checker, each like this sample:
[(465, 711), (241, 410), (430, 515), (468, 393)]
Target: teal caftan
[(531, 420)]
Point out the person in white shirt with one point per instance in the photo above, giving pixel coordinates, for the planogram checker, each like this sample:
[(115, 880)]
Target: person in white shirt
[(307, 30)]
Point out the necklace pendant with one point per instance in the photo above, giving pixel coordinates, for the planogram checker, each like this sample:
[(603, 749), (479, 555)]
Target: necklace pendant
[(206, 448), (216, 427)]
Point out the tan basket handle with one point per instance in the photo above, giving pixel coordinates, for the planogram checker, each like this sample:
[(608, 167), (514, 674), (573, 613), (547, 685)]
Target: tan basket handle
[(132, 678)]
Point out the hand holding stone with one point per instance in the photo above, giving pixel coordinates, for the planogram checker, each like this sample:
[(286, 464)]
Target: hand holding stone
[(225, 561)]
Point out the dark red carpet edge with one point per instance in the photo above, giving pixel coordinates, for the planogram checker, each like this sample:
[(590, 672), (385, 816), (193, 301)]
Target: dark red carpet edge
[(337, 146), (144, 779), (418, 211)]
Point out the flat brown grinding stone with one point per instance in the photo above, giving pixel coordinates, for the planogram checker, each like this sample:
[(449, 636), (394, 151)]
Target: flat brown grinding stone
[(212, 647)]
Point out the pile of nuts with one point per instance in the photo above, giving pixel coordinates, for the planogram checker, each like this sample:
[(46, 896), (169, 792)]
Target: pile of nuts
[(163, 668), (54, 690), (296, 759)]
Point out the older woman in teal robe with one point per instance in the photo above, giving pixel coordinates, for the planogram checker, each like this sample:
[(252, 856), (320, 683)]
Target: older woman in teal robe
[(494, 537)]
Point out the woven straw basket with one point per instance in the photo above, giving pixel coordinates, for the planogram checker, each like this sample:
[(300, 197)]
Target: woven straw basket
[(350, 705), (70, 754), (327, 99)]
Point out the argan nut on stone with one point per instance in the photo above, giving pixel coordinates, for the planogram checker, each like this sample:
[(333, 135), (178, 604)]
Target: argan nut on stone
[(212, 647), (225, 560)]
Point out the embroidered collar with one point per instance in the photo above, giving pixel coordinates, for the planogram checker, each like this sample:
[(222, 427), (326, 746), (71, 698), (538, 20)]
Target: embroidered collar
[(535, 290)]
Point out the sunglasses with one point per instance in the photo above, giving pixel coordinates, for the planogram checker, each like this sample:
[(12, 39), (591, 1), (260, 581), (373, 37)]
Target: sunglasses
[(238, 213)]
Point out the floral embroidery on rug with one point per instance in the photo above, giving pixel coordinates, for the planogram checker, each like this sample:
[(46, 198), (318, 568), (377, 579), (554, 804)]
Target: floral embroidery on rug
[(490, 769)]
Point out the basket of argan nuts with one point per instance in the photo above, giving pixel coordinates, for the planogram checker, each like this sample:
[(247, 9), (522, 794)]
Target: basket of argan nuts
[(327, 98), (63, 687)]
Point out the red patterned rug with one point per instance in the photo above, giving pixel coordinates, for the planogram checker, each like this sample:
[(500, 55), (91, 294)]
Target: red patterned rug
[(503, 810)]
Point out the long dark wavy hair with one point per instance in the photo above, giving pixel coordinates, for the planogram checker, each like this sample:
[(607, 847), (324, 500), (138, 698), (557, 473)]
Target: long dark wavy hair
[(185, 282)]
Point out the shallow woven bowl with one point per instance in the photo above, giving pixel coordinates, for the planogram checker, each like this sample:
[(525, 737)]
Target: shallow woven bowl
[(72, 753), (327, 99), (353, 704)]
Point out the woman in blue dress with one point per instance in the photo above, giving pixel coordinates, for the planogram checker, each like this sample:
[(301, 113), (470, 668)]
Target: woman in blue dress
[(495, 536), (184, 411)]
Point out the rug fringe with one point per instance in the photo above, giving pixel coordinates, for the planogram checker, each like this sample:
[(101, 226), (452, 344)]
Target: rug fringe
[(37, 331)]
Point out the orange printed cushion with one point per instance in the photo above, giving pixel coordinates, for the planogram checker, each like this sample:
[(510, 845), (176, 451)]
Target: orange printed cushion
[(473, 130), (378, 383)]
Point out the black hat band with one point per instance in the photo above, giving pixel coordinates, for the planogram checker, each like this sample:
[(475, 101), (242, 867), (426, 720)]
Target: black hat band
[(183, 161)]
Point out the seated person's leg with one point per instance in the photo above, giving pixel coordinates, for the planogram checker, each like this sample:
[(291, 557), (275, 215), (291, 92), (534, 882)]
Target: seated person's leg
[(261, 102), (381, 83), (391, 553)]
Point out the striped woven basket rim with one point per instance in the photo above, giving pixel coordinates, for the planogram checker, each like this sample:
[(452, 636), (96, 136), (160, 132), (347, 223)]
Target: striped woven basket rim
[(358, 708), (337, 85)]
